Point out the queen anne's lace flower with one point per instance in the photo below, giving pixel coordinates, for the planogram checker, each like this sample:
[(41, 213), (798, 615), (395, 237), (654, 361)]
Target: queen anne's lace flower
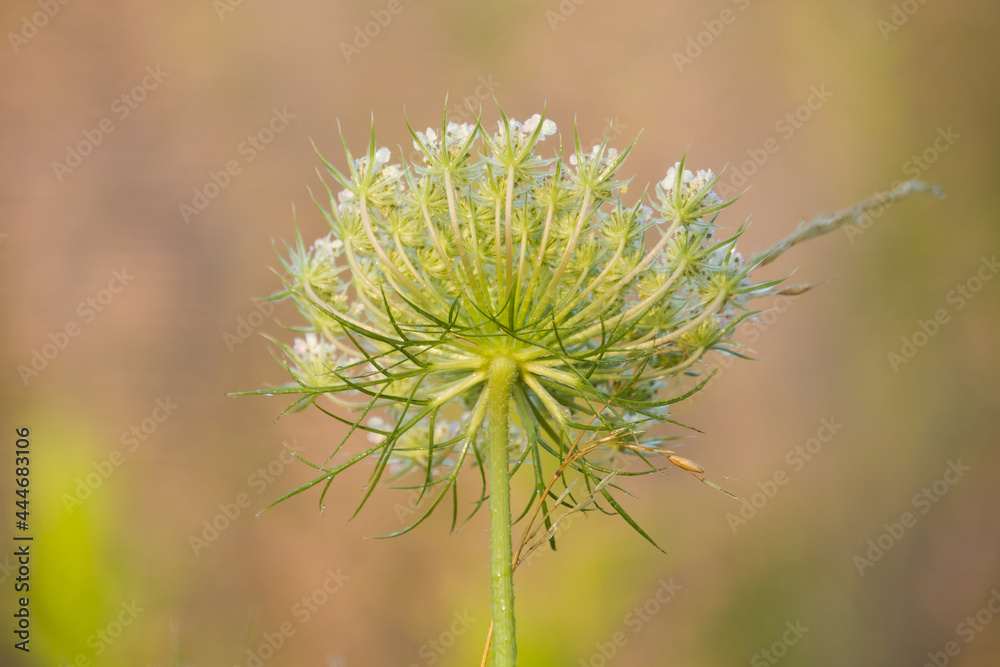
[(603, 310), (460, 133), (548, 127), (686, 193), (493, 290), (427, 140), (315, 360), (459, 261), (520, 132)]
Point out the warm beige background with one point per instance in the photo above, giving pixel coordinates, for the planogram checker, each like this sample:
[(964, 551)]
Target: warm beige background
[(62, 237)]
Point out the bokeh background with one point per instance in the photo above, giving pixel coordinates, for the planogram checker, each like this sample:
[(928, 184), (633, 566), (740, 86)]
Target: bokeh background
[(909, 89)]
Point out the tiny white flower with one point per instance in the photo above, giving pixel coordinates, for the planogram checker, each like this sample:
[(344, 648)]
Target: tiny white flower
[(460, 132), (429, 139), (391, 172), (309, 347), (670, 180), (328, 247), (512, 126), (529, 126), (691, 184)]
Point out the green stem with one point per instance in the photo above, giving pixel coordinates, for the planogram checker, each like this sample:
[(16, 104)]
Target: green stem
[(502, 375)]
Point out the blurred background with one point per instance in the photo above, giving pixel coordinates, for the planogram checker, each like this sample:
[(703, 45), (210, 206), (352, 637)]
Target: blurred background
[(151, 154)]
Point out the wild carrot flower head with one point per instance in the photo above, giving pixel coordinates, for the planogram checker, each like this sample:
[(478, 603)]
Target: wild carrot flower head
[(495, 249)]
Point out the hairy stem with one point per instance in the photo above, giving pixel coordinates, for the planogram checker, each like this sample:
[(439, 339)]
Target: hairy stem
[(502, 375), (823, 224)]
